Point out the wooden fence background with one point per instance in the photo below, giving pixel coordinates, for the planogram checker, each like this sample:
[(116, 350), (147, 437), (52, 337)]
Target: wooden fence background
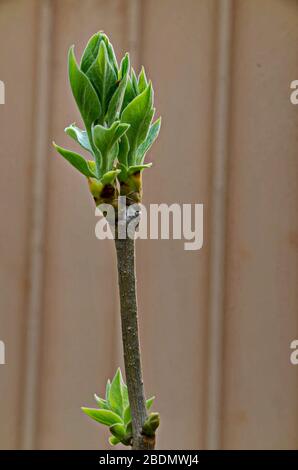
[(216, 324)]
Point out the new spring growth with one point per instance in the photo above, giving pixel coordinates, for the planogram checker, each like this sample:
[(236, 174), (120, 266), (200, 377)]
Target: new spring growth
[(114, 411), (117, 110)]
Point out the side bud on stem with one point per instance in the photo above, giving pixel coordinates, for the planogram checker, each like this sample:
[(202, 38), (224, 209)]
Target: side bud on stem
[(132, 189)]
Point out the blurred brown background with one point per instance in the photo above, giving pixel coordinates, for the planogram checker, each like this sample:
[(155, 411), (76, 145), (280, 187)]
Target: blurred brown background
[(216, 325)]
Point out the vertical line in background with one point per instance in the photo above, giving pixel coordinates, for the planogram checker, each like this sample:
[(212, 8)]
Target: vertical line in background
[(218, 223), (37, 228), (134, 27)]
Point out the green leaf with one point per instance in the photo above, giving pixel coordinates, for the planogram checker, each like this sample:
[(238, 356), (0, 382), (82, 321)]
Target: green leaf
[(76, 160), (79, 136), (101, 402), (111, 53), (105, 140), (149, 402), (106, 417), (136, 168), (124, 66), (113, 440), (83, 92), (115, 397), (108, 388), (118, 430), (134, 82), (123, 150), (123, 173), (129, 94), (142, 81), (138, 114), (92, 166), (129, 429), (109, 177), (90, 52), (151, 137), (116, 102), (103, 77), (124, 392), (127, 415)]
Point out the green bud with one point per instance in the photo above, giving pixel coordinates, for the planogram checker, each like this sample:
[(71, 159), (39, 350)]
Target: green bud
[(151, 424), (132, 188)]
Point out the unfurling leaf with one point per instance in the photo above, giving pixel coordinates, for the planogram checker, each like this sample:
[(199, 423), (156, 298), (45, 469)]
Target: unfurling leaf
[(106, 141), (111, 53), (90, 52), (79, 136), (101, 402), (134, 82), (137, 168), (124, 394), (109, 177), (124, 66), (145, 146), (123, 150), (129, 94), (76, 160), (142, 81), (115, 396), (108, 388), (149, 402), (138, 114), (116, 102), (83, 92), (106, 417), (118, 430), (127, 415)]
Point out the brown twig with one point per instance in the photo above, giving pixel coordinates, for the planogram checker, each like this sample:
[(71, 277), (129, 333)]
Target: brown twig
[(130, 337)]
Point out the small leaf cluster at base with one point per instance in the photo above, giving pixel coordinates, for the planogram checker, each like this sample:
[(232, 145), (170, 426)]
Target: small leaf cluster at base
[(114, 411)]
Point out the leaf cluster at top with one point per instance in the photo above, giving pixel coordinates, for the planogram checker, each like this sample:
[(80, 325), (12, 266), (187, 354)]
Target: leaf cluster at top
[(117, 109)]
